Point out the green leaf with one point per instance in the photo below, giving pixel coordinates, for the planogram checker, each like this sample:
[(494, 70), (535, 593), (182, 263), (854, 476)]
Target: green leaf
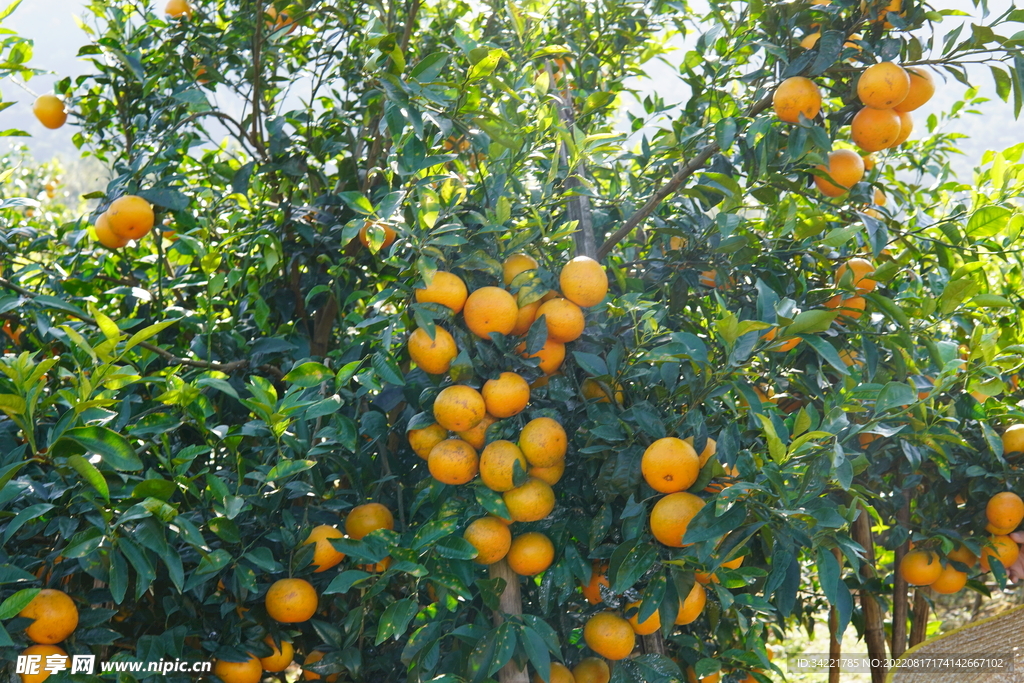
[(92, 475), (895, 395), (597, 100), (826, 351), (20, 519), (109, 445), (988, 221), (17, 602), (634, 565), (387, 370), (7, 473), (344, 581), (810, 322), (776, 448), (12, 404), (147, 333), (288, 468), (537, 652), (395, 619), (309, 374), (991, 301)]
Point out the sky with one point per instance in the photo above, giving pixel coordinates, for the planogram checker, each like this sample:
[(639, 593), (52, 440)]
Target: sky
[(51, 24)]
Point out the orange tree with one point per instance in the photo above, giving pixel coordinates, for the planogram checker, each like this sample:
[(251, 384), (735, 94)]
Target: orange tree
[(324, 328)]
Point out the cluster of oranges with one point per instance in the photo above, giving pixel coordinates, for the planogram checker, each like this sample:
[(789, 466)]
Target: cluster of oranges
[(55, 617), (128, 218)]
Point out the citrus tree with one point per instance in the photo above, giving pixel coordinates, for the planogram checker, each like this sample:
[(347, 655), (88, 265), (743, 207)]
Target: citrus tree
[(384, 351)]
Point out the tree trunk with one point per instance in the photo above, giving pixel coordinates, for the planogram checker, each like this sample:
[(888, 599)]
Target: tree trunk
[(920, 626), (835, 648), (874, 630), (899, 590), (654, 644), (511, 603), (579, 205)]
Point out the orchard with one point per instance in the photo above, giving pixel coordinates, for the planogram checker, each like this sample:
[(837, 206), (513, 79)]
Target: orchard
[(385, 354)]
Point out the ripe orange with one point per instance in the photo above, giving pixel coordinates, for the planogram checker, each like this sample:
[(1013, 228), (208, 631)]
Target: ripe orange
[(1013, 439), (883, 86), (879, 197), (280, 659), (860, 269), (552, 475), (807, 42), (312, 658), (106, 236), (609, 635), (583, 281), (962, 554), (515, 264), (592, 670), (648, 625), (530, 553), (593, 391), (671, 515), (50, 111), (845, 167), (507, 395), (598, 577), (176, 9), (377, 568), (490, 309), (130, 217), (435, 355), (849, 307), (783, 345), (43, 651), (530, 502), (710, 448), (543, 442), (692, 606), (950, 581), (875, 129), (55, 617), (551, 355), (564, 320), (670, 465), (446, 289), (291, 601), (364, 233), (366, 518), (453, 461), (920, 568), (922, 87), (497, 465), (691, 674), (459, 408), (422, 440), (559, 674), (325, 555), (477, 436), (491, 538), (906, 128), (1005, 510), (795, 96), (524, 319), (1003, 548), (869, 161)]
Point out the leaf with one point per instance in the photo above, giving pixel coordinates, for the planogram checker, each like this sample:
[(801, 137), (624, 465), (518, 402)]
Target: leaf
[(92, 475), (109, 445), (776, 448), (395, 619), (486, 65), (537, 652), (591, 363), (288, 468), (705, 525), (991, 301), (387, 370), (26, 514), (344, 581), (810, 322), (147, 332), (634, 565), (597, 100), (988, 221), (828, 47), (12, 404), (895, 395), (17, 602), (828, 352), (167, 198), (309, 374)]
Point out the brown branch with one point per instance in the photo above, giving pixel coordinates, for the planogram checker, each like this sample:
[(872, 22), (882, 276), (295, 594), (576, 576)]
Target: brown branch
[(899, 589), (874, 630), (510, 602), (835, 647), (257, 45), (688, 169), (410, 21), (919, 628), (654, 644)]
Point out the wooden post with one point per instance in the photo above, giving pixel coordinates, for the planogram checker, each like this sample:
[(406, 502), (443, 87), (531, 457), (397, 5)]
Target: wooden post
[(511, 602), (874, 630), (899, 588), (919, 628)]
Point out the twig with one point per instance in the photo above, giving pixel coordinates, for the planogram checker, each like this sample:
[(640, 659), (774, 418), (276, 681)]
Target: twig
[(257, 45)]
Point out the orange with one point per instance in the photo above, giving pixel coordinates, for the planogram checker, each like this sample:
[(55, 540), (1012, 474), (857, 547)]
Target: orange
[(882, 12), (1013, 439), (807, 42), (734, 563), (1004, 510), (551, 355), (312, 658), (906, 128), (593, 391), (564, 320), (875, 129), (962, 554), (869, 161), (592, 670), (530, 502), (515, 264), (783, 345), (453, 461), (50, 111), (879, 197), (845, 167), (477, 436), (422, 440), (559, 674), (507, 395), (325, 555), (491, 538), (648, 625), (249, 671), (999, 530), (459, 408), (497, 465), (950, 581), (1003, 548), (598, 578), (676, 242), (55, 617), (176, 9), (850, 358), (106, 236), (377, 568), (291, 601), (130, 217), (860, 269), (280, 659), (920, 568), (795, 96), (710, 448), (446, 289), (671, 515), (543, 442), (524, 319), (44, 652), (435, 355), (691, 674), (364, 233), (583, 281), (530, 553), (280, 22), (692, 606), (922, 87), (670, 465), (363, 519), (850, 307), (490, 309), (609, 635), (552, 475), (883, 85)]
